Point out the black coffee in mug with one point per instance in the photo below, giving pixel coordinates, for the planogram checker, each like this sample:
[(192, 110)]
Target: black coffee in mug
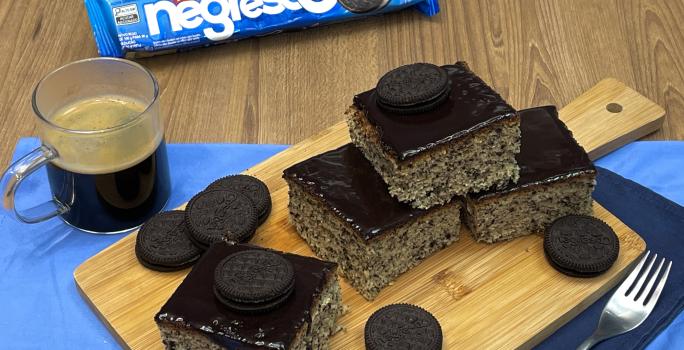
[(103, 145), (113, 201)]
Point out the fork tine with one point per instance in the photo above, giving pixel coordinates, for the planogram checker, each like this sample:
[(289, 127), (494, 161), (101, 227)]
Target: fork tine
[(632, 275), (644, 274), (659, 288), (651, 281)]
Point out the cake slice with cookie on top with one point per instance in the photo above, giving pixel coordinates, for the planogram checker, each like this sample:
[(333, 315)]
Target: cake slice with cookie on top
[(246, 297), (434, 132)]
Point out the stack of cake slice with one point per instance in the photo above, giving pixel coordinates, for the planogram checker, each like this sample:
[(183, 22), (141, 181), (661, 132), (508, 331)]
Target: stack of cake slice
[(427, 141), (383, 204)]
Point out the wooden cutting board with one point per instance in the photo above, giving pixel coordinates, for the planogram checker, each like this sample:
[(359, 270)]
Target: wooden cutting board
[(485, 296)]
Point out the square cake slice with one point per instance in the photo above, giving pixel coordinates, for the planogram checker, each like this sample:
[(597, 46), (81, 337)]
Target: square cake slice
[(340, 206), (465, 144), (194, 317), (556, 179)]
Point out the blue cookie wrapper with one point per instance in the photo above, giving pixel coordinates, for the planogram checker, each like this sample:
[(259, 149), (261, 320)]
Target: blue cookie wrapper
[(139, 28)]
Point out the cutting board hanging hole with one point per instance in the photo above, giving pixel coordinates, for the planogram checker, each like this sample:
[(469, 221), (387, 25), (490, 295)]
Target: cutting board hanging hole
[(614, 107)]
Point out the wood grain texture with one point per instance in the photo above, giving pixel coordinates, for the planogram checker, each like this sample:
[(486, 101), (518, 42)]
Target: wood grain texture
[(525, 298), (610, 115), (284, 88)]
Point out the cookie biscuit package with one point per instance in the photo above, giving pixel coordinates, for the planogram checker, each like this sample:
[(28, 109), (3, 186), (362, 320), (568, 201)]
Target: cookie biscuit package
[(138, 28)]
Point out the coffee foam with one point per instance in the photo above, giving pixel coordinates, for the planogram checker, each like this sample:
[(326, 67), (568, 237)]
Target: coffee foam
[(103, 152)]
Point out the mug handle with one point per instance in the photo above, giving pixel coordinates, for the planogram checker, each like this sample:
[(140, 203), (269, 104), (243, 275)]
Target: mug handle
[(16, 173)]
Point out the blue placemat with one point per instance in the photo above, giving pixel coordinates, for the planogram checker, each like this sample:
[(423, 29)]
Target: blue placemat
[(38, 295), (660, 222)]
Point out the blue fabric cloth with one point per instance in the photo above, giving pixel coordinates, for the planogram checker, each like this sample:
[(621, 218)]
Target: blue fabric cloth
[(657, 165), (37, 261), (660, 222), (41, 306)]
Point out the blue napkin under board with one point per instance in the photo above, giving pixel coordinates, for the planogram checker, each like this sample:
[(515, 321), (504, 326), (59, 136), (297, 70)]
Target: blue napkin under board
[(42, 308)]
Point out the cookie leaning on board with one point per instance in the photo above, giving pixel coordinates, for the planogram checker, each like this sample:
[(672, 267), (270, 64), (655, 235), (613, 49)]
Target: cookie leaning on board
[(174, 240)]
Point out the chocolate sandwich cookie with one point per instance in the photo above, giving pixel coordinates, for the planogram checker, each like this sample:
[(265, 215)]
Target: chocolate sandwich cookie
[(403, 326), (581, 246), (413, 88), (363, 6), (251, 187), (163, 244), (253, 281), (220, 215)]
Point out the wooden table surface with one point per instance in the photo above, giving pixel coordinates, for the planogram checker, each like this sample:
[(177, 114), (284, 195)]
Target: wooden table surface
[(283, 88)]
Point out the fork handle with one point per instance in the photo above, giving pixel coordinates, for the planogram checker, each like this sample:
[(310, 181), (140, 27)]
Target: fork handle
[(591, 341)]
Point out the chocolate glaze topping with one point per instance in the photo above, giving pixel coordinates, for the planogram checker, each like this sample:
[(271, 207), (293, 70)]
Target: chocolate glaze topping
[(347, 183), (193, 304), (548, 152), (472, 105)]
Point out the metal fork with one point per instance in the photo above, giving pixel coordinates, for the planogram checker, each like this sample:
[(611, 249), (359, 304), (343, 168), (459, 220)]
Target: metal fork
[(628, 308)]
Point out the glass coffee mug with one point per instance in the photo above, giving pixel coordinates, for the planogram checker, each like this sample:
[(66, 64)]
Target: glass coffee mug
[(103, 146)]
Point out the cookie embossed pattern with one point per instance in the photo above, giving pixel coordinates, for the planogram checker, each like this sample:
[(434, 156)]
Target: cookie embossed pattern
[(162, 243), (251, 187), (403, 326), (253, 281), (220, 215), (413, 88), (581, 246)]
